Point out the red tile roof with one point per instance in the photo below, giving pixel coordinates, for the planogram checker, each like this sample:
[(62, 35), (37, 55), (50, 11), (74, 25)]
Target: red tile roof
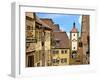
[(47, 21), (43, 23), (55, 27), (63, 39)]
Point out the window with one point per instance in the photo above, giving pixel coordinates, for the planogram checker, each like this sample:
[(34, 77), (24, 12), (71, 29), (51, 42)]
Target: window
[(55, 61), (55, 51), (31, 61), (57, 42), (74, 47), (73, 34), (49, 64), (63, 60), (29, 27), (62, 51), (38, 64), (80, 44), (65, 51), (42, 43), (27, 45)]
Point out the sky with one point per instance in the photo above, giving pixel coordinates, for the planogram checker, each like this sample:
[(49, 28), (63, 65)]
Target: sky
[(65, 21)]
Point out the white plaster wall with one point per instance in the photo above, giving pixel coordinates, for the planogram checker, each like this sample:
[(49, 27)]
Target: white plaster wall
[(74, 44), (74, 37)]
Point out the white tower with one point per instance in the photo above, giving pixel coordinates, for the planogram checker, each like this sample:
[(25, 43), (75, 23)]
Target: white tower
[(74, 40)]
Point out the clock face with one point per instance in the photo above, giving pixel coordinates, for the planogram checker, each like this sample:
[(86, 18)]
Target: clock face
[(74, 36), (74, 45)]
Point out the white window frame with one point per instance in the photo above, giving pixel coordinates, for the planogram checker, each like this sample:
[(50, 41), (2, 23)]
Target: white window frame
[(18, 68)]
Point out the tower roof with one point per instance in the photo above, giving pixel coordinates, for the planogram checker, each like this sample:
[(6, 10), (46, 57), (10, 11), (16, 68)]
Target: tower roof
[(74, 29)]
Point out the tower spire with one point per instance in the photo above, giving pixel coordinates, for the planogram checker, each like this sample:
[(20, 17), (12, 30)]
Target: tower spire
[(74, 29), (74, 25)]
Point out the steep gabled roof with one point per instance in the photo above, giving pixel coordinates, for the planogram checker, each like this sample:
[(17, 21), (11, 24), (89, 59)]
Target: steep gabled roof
[(47, 21), (55, 27), (38, 20), (63, 39)]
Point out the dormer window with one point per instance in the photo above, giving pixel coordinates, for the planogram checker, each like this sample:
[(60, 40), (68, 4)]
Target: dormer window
[(57, 43), (80, 44)]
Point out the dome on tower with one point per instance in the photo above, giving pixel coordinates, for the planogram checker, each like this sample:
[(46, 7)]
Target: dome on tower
[(74, 29)]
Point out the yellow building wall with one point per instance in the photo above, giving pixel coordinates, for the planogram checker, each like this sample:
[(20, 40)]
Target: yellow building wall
[(61, 55)]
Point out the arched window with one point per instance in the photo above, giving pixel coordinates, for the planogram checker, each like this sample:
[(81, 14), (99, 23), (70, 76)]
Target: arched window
[(74, 47), (73, 34)]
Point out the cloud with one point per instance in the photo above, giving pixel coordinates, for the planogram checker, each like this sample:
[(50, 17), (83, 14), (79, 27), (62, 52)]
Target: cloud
[(53, 15), (49, 15), (62, 29), (80, 20), (68, 34)]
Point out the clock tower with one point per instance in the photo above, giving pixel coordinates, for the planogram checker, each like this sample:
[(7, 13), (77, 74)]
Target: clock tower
[(74, 40)]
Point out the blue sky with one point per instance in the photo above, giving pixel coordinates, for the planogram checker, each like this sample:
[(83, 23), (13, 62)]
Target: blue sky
[(65, 21)]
